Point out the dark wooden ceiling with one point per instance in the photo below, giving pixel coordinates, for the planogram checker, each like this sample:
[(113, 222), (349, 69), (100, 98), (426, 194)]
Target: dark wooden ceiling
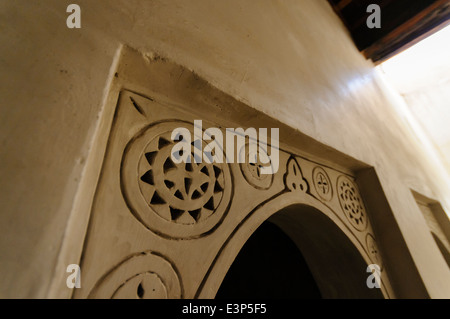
[(403, 23)]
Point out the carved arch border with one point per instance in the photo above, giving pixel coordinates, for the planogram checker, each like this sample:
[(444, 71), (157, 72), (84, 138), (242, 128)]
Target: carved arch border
[(251, 222)]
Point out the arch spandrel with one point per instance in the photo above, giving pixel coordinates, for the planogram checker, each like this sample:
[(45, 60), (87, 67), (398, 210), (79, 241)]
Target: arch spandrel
[(289, 211)]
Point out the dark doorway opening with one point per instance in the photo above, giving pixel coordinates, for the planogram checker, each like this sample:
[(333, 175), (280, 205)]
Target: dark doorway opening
[(269, 266)]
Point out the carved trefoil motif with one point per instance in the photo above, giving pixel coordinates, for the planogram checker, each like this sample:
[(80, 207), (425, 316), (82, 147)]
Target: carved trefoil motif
[(294, 179)]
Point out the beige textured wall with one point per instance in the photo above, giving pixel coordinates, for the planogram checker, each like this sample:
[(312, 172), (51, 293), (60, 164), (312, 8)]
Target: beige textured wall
[(290, 59)]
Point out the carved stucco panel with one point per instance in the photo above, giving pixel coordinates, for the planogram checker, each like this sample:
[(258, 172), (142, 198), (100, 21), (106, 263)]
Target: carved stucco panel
[(156, 223)]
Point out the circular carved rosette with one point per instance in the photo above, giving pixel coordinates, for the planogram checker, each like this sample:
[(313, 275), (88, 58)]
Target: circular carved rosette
[(373, 251), (142, 276), (252, 169), (322, 184), (351, 203), (177, 200)]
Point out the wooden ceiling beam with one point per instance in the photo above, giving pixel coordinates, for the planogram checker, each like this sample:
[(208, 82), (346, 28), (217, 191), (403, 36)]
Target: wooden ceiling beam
[(342, 4)]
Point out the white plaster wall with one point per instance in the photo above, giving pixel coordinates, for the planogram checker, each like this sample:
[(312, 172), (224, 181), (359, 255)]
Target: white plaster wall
[(431, 108), (291, 59)]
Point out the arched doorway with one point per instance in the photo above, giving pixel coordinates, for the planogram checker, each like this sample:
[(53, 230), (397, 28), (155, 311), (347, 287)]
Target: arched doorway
[(269, 266), (311, 258)]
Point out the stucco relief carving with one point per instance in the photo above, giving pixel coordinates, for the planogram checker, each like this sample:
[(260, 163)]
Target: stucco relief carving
[(252, 171), (322, 183), (142, 276), (294, 179), (189, 202), (351, 203), (193, 197), (373, 251)]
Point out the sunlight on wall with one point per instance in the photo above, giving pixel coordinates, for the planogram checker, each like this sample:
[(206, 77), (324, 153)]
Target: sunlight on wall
[(421, 74), (423, 65)]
